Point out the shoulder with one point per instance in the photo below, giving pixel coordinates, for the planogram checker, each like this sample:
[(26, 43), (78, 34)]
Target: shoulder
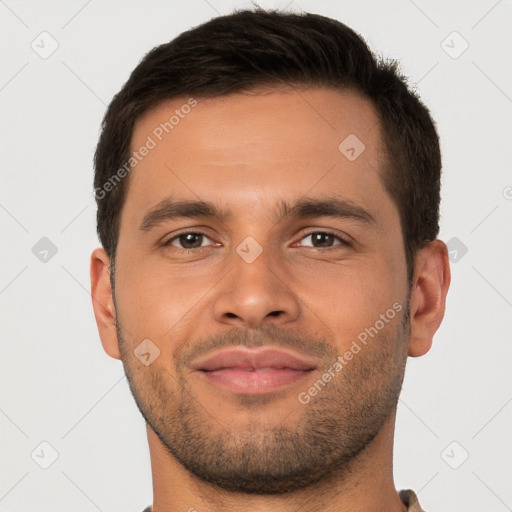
[(409, 497)]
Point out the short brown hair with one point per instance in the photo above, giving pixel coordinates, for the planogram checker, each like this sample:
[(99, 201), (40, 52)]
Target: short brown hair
[(252, 48)]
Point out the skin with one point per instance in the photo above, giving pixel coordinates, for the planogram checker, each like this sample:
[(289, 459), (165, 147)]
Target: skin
[(247, 152)]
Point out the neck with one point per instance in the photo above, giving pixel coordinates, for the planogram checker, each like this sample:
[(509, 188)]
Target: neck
[(366, 485)]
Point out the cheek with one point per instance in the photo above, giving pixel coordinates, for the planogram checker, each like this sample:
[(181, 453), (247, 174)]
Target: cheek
[(157, 302), (349, 298)]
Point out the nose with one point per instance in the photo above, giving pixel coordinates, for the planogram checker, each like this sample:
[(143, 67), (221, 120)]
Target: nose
[(256, 293)]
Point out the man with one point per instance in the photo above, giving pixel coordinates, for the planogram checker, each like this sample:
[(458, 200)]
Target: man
[(268, 204)]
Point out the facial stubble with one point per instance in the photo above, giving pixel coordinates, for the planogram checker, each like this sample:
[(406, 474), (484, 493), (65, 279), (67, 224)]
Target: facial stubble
[(264, 456)]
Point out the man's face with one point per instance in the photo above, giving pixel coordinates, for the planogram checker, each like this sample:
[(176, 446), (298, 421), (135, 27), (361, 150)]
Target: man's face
[(316, 286)]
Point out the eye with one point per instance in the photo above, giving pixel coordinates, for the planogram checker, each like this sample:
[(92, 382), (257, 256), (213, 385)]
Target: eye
[(323, 239), (188, 240), (195, 240)]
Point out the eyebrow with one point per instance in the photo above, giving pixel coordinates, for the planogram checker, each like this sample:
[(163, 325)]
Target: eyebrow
[(171, 209)]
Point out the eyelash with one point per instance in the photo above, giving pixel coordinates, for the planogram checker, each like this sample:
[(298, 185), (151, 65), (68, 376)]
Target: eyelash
[(342, 241)]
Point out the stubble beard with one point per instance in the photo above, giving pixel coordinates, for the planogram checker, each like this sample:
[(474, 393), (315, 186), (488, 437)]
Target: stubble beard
[(264, 457)]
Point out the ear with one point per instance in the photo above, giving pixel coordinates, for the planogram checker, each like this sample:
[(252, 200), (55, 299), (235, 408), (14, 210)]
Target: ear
[(103, 303), (428, 296)]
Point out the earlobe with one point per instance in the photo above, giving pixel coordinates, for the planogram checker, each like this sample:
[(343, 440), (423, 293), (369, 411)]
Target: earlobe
[(103, 303), (428, 296)]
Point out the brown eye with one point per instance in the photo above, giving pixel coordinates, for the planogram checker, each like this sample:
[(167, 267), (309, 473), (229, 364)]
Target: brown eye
[(323, 239), (191, 240)]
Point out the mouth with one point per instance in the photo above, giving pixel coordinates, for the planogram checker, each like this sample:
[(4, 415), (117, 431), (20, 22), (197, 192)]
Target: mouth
[(257, 371)]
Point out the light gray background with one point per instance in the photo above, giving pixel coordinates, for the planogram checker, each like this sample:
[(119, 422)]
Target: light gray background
[(57, 384)]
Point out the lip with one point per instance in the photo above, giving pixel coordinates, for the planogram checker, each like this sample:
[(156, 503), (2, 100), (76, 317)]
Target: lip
[(254, 371)]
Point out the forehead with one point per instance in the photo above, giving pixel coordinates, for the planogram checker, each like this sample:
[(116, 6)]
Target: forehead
[(250, 148)]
